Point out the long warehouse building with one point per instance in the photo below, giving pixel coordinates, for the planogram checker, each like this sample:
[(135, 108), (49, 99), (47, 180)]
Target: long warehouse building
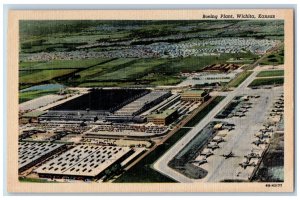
[(32, 153), (85, 162)]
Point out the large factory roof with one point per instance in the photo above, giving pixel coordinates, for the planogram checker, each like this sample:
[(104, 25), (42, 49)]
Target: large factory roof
[(84, 160), (139, 104), (30, 151), (36, 113), (102, 99)]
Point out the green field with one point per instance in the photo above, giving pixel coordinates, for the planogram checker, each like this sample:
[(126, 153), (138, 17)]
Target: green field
[(134, 71), (26, 96), (103, 68), (35, 180), (202, 113), (44, 75), (267, 81), (276, 58), (158, 79), (62, 64), (143, 172), (239, 79), (87, 38), (107, 84), (271, 73), (30, 64)]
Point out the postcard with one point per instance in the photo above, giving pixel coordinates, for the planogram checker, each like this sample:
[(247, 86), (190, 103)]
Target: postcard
[(150, 100)]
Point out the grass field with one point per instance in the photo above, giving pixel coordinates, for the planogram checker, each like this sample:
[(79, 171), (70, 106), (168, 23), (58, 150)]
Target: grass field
[(105, 72), (44, 75), (62, 64), (31, 64), (83, 38), (166, 80), (267, 81), (276, 58), (271, 73), (156, 79), (26, 96), (202, 113), (143, 172), (35, 180), (107, 84), (239, 79), (103, 68), (134, 71)]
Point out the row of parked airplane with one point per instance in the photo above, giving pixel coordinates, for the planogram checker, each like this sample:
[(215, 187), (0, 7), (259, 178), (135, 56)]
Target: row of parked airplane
[(244, 164)]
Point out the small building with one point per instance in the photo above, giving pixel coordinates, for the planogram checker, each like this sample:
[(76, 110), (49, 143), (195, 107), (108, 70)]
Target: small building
[(163, 118), (31, 117), (195, 95)]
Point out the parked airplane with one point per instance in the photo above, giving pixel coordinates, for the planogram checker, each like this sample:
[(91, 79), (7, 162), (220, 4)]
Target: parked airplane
[(199, 162), (213, 146), (247, 164), (218, 140), (207, 154), (252, 155), (258, 142), (229, 155)]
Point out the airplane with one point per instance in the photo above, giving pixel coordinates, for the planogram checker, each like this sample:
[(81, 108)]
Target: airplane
[(218, 140), (252, 155), (237, 114), (228, 124), (277, 110), (246, 106), (200, 162), (212, 146), (258, 142), (266, 130), (262, 135), (267, 125), (278, 106), (207, 154), (246, 164), (243, 110), (229, 155)]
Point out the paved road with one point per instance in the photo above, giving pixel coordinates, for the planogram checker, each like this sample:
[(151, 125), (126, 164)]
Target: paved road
[(162, 163)]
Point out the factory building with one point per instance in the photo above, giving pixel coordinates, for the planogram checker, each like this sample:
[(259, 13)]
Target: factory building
[(194, 95), (85, 162), (32, 153), (163, 118), (31, 117), (144, 103)]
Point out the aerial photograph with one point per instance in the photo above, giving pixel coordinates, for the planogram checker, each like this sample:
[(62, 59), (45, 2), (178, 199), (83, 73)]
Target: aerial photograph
[(151, 101)]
